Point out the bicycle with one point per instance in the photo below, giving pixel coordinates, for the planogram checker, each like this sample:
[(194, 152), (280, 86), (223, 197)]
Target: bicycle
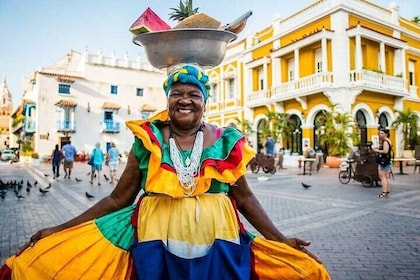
[(344, 176)]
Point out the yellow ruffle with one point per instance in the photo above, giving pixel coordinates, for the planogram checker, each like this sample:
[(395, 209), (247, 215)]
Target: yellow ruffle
[(160, 180), (80, 252)]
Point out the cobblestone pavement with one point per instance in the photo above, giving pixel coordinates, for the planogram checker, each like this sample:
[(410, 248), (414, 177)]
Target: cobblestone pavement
[(357, 235)]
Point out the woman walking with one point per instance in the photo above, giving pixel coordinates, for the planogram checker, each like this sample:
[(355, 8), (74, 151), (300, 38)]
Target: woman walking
[(113, 158), (57, 156), (384, 166), (97, 158)]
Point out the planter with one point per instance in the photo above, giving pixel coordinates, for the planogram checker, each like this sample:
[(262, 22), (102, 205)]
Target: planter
[(35, 161), (333, 162)]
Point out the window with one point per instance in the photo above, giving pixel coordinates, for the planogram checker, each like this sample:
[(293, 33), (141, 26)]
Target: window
[(230, 88), (63, 88), (114, 89), (145, 114), (318, 60), (260, 79), (139, 92), (291, 67), (108, 116), (214, 93), (411, 75)]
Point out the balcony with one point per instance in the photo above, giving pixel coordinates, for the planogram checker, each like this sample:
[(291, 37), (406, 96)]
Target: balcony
[(29, 127), (379, 82), (304, 86), (66, 126), (111, 127), (258, 98)]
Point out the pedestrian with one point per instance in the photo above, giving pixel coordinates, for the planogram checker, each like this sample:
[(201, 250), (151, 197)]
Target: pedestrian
[(97, 160), (186, 224), (69, 152), (280, 158), (383, 158), (269, 146), (113, 159), (57, 157)]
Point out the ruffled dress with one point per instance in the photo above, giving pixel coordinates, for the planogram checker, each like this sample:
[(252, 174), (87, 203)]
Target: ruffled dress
[(168, 234)]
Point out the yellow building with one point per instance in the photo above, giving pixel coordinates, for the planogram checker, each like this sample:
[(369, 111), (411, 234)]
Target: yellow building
[(353, 53)]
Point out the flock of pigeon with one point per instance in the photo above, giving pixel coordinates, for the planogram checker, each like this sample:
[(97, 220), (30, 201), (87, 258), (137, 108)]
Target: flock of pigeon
[(18, 188)]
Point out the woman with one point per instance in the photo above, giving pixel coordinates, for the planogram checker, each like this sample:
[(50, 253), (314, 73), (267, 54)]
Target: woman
[(97, 158), (185, 224), (57, 156), (113, 158), (384, 169)]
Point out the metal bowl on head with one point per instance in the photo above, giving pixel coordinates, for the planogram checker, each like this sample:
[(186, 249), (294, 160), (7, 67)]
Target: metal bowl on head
[(205, 47)]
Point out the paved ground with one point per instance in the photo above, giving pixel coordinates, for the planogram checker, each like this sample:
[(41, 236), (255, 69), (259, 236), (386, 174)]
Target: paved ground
[(357, 235)]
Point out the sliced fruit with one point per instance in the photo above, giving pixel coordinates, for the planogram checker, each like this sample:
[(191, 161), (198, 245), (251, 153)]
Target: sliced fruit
[(148, 21)]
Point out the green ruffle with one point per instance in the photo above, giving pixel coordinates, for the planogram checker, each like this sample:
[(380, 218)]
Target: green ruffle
[(116, 227)]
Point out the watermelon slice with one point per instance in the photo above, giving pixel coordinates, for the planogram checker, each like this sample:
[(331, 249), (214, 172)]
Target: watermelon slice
[(149, 21)]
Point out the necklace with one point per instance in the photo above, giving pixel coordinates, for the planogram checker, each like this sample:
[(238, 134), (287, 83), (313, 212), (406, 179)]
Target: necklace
[(188, 171)]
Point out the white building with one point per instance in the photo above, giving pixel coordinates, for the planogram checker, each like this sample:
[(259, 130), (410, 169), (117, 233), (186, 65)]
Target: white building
[(86, 98)]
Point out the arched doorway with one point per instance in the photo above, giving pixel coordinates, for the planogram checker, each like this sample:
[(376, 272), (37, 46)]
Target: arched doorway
[(260, 129), (362, 126), (294, 141), (318, 123), (382, 121)]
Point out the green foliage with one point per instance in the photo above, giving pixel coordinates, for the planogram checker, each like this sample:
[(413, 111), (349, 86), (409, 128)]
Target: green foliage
[(416, 19), (407, 120), (184, 10), (20, 118), (34, 155), (245, 127), (335, 132), (27, 146)]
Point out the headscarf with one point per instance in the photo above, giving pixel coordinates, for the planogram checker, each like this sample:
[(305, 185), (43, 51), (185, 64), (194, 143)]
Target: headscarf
[(189, 74)]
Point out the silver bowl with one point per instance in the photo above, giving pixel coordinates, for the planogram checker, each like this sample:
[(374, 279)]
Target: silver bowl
[(205, 47)]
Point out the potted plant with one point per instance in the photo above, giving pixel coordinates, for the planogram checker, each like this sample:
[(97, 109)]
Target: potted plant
[(406, 121), (335, 131), (34, 159)]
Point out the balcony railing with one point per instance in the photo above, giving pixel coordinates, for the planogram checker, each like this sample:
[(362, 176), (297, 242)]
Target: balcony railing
[(29, 127), (378, 81), (111, 127), (258, 98), (66, 126), (308, 84)]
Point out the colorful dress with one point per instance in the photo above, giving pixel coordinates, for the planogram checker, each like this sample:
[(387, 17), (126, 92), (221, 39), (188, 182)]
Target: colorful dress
[(166, 234)]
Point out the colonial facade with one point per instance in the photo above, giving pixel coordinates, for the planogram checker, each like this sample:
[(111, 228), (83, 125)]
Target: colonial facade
[(86, 98), (353, 53), (6, 109)]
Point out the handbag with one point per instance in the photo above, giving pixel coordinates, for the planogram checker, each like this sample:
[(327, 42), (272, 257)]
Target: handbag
[(90, 161)]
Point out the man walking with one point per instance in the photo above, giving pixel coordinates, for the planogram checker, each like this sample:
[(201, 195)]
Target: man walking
[(269, 146), (69, 152)]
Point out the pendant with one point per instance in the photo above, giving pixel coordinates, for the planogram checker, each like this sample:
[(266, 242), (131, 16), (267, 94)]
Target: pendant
[(187, 162)]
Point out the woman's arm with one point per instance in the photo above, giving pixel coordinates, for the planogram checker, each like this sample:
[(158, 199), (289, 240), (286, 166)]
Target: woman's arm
[(249, 206), (123, 195)]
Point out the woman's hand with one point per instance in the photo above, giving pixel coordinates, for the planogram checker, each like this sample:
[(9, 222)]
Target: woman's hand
[(36, 237), (300, 245)]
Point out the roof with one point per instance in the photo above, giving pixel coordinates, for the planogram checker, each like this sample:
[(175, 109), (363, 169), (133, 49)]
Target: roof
[(66, 103), (110, 105)]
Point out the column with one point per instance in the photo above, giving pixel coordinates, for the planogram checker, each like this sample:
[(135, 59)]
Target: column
[(324, 54), (382, 57), (358, 54), (297, 75)]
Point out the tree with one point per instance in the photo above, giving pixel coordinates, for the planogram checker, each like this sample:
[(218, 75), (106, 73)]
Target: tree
[(334, 131), (246, 127), (407, 121), (184, 10), (281, 125), (416, 19)]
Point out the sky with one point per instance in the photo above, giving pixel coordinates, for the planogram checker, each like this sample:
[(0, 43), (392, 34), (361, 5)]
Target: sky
[(36, 33)]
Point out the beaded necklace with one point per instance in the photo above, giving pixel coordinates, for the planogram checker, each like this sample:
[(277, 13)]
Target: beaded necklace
[(187, 172)]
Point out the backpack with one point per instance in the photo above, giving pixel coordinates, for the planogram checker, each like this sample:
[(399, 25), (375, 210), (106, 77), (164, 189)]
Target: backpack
[(311, 153)]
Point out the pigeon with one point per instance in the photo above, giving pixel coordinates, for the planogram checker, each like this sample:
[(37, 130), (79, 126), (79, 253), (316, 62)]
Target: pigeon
[(106, 177), (46, 175), (19, 196), (43, 191), (88, 195), (306, 186), (36, 183), (78, 180), (48, 187), (28, 189), (28, 184)]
